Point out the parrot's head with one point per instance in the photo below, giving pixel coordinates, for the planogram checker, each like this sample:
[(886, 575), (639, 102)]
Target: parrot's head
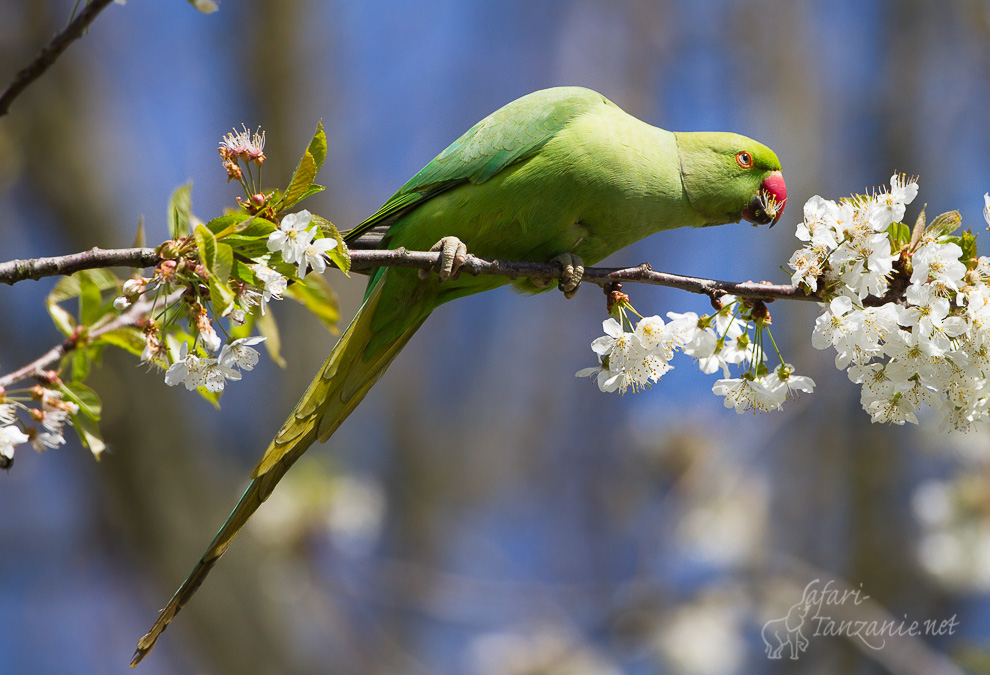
[(728, 178)]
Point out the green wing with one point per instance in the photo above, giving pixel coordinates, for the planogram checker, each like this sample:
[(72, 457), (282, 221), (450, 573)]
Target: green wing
[(514, 132)]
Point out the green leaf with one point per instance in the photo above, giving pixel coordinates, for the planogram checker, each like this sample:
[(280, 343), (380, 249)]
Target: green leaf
[(967, 242), (128, 338), (207, 245), (919, 229), (269, 329), (339, 255), (64, 321), (316, 294), (82, 364), (90, 300), (69, 287), (945, 223), (318, 146), (311, 190), (87, 400), (139, 235), (240, 271), (899, 233), (224, 262), (301, 180), (89, 435), (221, 296), (222, 223), (180, 211), (212, 396)]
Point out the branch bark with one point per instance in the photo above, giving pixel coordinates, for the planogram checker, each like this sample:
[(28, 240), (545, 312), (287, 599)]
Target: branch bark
[(50, 54), (20, 270), (364, 261)]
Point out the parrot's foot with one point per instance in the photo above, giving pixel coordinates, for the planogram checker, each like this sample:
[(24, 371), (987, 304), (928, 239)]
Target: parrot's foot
[(570, 277), (453, 254)]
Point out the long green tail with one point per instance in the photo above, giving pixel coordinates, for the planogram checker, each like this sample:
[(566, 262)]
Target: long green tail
[(340, 385)]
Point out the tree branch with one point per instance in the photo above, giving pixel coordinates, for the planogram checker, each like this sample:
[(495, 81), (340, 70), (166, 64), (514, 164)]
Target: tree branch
[(364, 261), (135, 314), (50, 54), (18, 270)]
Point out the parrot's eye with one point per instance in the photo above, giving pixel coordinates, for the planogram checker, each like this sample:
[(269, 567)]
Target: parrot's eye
[(744, 159)]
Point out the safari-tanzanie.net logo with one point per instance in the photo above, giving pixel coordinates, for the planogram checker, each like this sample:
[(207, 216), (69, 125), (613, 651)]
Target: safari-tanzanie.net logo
[(829, 610)]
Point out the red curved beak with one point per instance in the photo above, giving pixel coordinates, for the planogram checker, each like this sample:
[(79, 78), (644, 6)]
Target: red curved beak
[(776, 190), (768, 203)]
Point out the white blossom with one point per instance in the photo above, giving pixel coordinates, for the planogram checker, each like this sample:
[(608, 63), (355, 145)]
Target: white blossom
[(274, 284), (314, 255), (10, 437), (44, 440), (745, 395), (187, 370), (8, 413), (239, 354), (292, 237)]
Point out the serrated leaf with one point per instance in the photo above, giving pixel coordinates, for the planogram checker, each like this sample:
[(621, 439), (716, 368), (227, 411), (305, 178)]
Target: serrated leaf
[(87, 399), (207, 245), (269, 329), (301, 180), (128, 338), (318, 146), (316, 294), (89, 435), (180, 211)]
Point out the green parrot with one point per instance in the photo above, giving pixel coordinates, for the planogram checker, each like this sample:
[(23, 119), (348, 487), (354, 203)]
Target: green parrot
[(562, 175)]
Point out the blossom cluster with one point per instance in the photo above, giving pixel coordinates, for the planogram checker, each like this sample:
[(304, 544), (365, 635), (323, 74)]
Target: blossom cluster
[(908, 312), (295, 240), (192, 367), (638, 357), (213, 372), (210, 361), (52, 413)]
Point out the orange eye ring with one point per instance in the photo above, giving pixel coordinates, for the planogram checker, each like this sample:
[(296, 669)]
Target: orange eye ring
[(744, 159)]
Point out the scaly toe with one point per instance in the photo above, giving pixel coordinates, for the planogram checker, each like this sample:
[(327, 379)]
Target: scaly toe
[(453, 254), (573, 271)]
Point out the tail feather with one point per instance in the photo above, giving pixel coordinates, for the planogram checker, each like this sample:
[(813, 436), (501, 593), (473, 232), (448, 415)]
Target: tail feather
[(341, 384)]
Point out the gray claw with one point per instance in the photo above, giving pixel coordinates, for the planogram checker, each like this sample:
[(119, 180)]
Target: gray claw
[(453, 254), (573, 270)]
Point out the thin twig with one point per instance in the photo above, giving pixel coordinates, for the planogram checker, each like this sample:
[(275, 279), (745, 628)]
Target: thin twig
[(50, 54), (134, 315)]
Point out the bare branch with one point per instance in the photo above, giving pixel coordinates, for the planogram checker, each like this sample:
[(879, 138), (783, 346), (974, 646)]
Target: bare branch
[(366, 260), (132, 317), (18, 270), (50, 54)]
